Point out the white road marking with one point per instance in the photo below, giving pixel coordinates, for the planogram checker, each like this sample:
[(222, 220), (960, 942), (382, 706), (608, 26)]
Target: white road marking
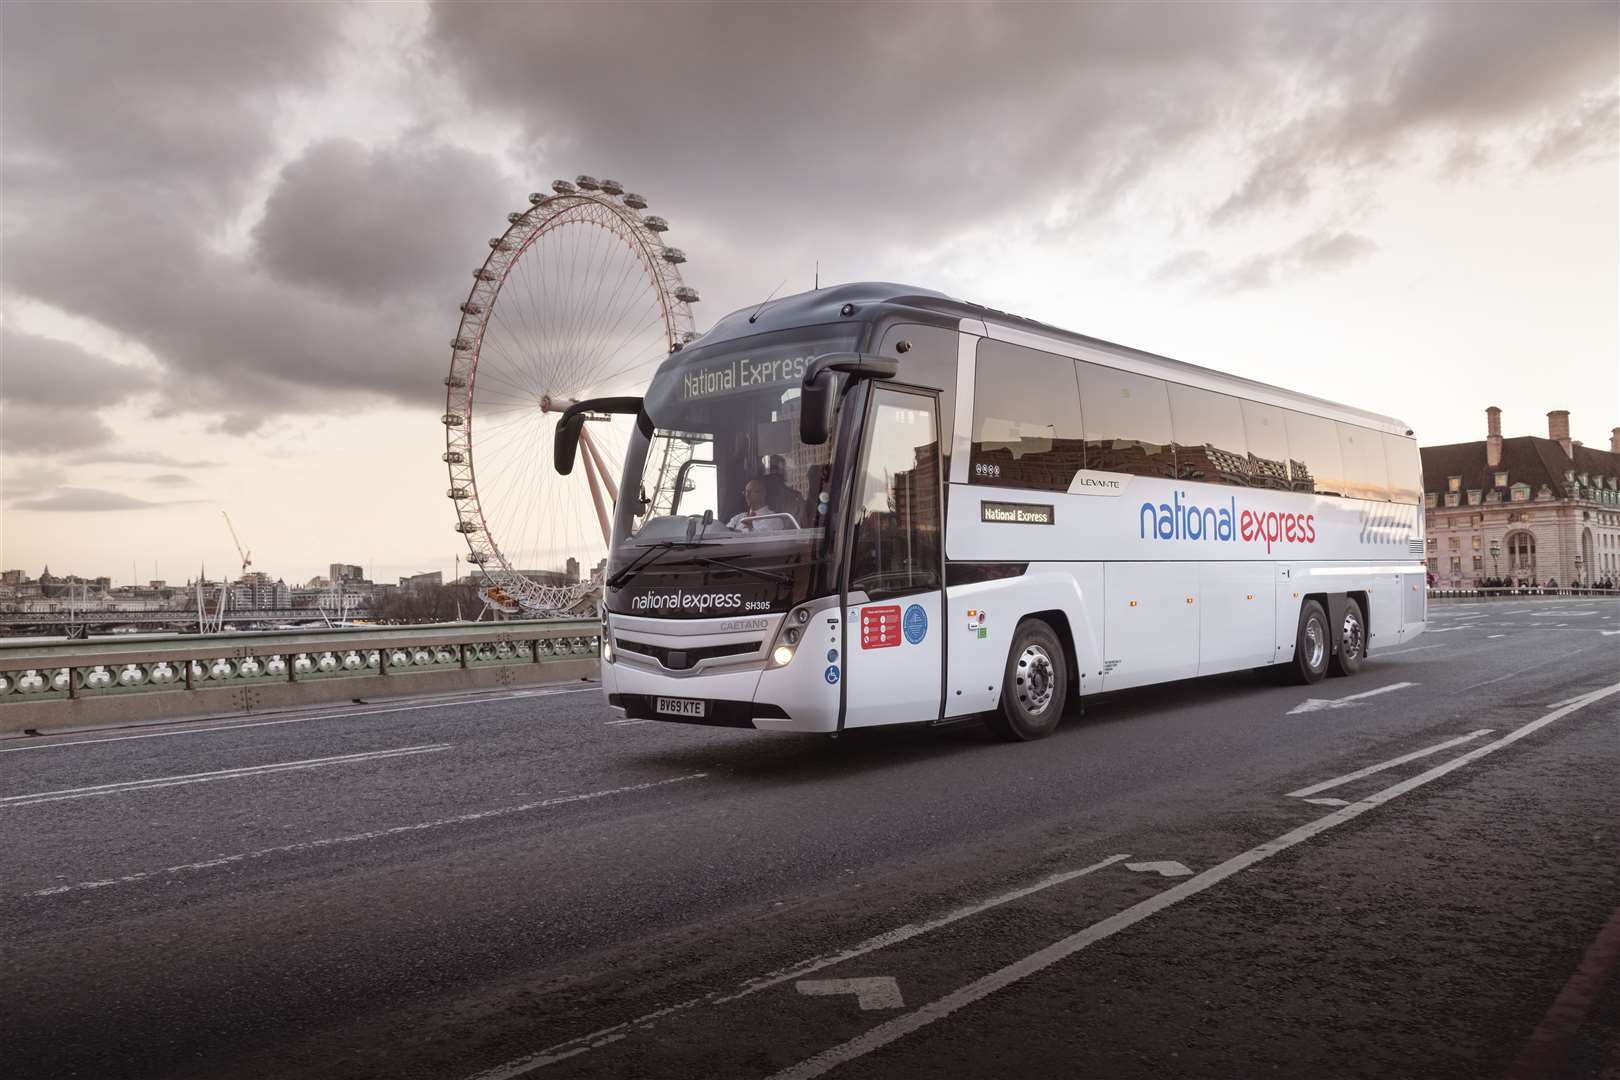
[(1609, 633), (584, 1043), (879, 992), (901, 1026), (1449, 629), (1393, 762), (1566, 701), (375, 834), (297, 719), (615, 723), (1165, 868), (1489, 636), (1318, 704), (10, 801), (1329, 802)]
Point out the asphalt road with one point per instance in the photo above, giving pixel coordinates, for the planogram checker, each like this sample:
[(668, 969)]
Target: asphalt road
[(1414, 872)]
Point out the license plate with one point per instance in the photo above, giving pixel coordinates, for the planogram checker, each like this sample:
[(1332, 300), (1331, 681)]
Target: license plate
[(680, 706)]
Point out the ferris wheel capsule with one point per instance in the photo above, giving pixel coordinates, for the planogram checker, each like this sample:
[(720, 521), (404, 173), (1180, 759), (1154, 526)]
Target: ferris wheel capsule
[(587, 183), (634, 201), (514, 217), (561, 187), (687, 295), (674, 255), (655, 223), (612, 187)]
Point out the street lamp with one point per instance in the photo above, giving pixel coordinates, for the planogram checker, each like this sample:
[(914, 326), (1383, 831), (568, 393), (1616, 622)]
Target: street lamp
[(1496, 551), (1578, 562)]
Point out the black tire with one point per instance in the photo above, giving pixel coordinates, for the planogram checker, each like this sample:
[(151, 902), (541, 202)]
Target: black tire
[(1352, 648), (1312, 645), (1034, 686)]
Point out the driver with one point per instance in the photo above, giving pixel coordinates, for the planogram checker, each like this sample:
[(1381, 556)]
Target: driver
[(757, 518)]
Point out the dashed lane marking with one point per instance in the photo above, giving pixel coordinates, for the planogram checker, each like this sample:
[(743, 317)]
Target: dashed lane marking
[(1402, 652), (879, 992), (608, 1035), (361, 837), (1488, 637), (901, 1026), (12, 801), (1328, 785), (299, 719), (1329, 802)]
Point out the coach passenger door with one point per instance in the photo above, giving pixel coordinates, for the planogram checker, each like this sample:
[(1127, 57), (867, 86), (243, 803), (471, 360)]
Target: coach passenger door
[(894, 672)]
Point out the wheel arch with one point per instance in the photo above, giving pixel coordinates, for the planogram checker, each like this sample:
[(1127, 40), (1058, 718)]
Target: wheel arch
[(1058, 620)]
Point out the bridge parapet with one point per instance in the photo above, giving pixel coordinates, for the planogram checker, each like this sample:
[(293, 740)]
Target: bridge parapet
[(59, 686)]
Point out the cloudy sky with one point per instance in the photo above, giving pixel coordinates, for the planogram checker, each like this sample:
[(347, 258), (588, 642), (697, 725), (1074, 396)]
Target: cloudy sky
[(234, 237)]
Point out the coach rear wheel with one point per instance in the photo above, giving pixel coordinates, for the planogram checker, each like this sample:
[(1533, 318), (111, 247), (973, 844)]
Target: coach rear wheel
[(1312, 645), (1034, 687), (1352, 640)]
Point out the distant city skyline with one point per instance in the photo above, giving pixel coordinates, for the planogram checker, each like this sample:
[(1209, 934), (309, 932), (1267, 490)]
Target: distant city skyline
[(1409, 208)]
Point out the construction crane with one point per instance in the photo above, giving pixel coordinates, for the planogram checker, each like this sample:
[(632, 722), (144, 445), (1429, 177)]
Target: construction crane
[(247, 556)]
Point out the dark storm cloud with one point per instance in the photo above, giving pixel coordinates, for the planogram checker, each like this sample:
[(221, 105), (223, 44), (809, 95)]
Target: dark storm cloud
[(30, 431), (368, 226), (771, 135), (90, 500), (41, 371), (1391, 74)]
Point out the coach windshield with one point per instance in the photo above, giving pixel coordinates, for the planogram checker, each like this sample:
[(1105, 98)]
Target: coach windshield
[(724, 509)]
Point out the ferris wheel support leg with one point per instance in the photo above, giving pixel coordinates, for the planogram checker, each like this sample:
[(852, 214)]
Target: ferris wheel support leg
[(601, 469), (596, 497)]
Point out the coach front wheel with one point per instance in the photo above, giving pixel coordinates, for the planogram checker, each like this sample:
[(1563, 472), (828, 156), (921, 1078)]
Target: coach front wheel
[(1034, 687), (1312, 645)]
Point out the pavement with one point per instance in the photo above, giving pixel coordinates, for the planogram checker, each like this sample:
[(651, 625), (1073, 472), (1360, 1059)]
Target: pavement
[(1414, 872)]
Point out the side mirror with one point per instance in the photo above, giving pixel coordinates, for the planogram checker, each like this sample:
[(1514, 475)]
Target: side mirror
[(565, 444), (817, 392)]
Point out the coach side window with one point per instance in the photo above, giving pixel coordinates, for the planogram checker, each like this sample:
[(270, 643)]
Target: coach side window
[(1267, 436), (1026, 419), (1405, 471), (1365, 474), (1314, 460), (1210, 444), (1127, 421)]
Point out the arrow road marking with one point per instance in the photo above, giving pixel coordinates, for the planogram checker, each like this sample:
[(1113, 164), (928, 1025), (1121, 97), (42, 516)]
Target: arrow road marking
[(881, 992), (1317, 704), (1163, 869)]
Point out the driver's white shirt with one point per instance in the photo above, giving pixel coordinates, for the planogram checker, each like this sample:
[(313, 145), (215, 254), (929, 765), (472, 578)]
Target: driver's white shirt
[(746, 522)]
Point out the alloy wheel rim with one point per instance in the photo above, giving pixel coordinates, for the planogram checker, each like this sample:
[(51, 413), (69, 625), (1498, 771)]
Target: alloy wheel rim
[(1315, 643), (1350, 640), (1035, 680)]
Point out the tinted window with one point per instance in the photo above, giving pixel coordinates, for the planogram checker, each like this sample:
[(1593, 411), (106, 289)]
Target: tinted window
[(1026, 419), (1267, 435), (1210, 444), (1314, 461), (1405, 470), (1365, 474), (896, 543), (1127, 421), (930, 362)]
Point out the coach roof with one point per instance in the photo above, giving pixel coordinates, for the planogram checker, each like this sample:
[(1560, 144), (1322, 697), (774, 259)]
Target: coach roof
[(882, 301)]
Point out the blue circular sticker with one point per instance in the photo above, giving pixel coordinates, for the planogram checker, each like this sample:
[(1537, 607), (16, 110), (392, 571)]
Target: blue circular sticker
[(832, 656), (915, 623), (832, 673)]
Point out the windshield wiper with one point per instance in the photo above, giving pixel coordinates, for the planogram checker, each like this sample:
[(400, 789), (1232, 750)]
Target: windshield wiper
[(767, 575), (653, 553)]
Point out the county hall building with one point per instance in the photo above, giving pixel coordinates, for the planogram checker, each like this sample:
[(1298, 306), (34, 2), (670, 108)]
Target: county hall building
[(1525, 508)]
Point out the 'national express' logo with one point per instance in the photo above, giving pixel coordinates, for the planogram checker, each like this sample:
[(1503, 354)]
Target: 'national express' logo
[(1182, 520)]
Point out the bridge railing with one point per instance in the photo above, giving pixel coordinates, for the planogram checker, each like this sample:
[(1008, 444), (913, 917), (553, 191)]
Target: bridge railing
[(1521, 591), (55, 686)]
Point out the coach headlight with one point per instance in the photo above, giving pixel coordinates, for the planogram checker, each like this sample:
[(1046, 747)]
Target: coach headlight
[(781, 656)]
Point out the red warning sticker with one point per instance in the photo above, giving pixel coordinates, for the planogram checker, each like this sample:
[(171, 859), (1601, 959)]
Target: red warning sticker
[(880, 627)]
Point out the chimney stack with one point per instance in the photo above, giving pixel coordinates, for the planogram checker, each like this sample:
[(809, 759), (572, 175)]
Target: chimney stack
[(1614, 441), (1558, 430), (1493, 436)]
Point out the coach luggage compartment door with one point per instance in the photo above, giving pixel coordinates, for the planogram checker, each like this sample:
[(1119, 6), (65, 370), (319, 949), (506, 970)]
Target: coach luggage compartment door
[(894, 669)]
